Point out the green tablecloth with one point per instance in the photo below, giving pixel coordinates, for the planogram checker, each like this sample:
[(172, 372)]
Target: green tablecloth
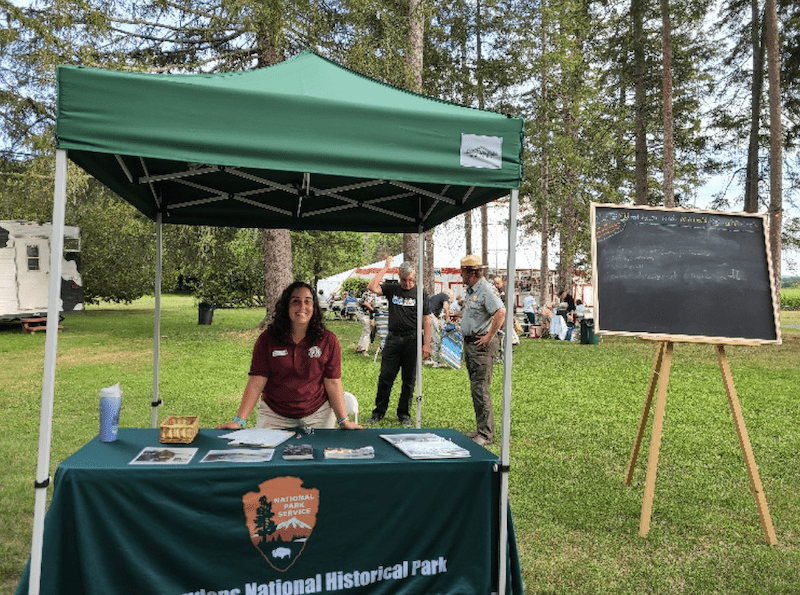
[(384, 525)]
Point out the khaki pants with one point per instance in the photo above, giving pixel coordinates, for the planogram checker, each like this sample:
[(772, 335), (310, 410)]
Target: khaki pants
[(366, 329), (479, 362), (324, 417), (436, 338)]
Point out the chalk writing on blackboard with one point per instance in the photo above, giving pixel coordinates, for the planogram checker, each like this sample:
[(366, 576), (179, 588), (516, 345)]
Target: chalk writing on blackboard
[(682, 272)]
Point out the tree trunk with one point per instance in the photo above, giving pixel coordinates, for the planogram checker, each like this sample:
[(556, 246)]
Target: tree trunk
[(468, 231), (277, 243), (428, 282), (570, 219), (416, 29), (485, 234), (669, 149), (278, 269), (775, 140), (544, 272), (637, 15), (752, 175), (410, 249), (544, 285), (479, 80)]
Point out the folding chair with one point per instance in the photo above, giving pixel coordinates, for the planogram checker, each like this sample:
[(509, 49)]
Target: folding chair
[(351, 403)]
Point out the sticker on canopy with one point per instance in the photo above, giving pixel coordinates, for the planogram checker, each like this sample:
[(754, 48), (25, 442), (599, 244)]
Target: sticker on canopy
[(280, 518), (481, 151)]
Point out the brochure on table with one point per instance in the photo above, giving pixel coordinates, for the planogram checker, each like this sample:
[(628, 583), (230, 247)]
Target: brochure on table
[(239, 455), (164, 455), (426, 446), (266, 437)]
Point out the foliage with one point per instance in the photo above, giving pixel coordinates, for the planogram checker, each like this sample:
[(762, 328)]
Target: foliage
[(117, 250), (117, 243), (355, 286), (790, 298), (574, 410), (320, 254), (228, 266), (565, 66)]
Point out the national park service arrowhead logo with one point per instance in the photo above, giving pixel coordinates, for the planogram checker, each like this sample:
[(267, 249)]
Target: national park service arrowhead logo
[(280, 518)]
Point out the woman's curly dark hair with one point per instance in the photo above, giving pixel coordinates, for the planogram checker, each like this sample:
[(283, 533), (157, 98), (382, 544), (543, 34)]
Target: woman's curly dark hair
[(281, 326)]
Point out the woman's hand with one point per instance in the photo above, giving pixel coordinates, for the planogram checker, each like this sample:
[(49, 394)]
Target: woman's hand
[(350, 425), (229, 425)]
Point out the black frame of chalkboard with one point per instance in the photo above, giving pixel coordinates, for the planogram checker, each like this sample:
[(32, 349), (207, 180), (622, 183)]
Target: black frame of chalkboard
[(679, 297)]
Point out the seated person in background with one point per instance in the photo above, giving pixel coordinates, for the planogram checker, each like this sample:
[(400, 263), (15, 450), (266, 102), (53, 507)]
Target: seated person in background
[(439, 306), (566, 297), (567, 316), (295, 371), (580, 309), (456, 308), (349, 304), (529, 309), (545, 316)]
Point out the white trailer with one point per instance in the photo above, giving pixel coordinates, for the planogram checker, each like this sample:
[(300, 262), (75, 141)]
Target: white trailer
[(25, 269)]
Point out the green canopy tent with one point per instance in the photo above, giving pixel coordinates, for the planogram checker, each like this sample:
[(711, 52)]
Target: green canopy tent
[(304, 144)]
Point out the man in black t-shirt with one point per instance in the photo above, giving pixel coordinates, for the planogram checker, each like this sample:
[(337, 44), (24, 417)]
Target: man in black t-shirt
[(400, 349)]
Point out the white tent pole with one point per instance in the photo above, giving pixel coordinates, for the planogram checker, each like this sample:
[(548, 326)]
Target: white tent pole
[(505, 444), (48, 382), (157, 330), (420, 269)]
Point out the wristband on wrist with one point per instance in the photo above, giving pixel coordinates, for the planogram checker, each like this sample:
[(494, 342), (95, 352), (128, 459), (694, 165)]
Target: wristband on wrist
[(340, 421), (240, 421)]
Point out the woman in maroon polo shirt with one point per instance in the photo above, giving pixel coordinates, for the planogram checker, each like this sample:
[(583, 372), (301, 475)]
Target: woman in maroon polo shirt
[(295, 371)]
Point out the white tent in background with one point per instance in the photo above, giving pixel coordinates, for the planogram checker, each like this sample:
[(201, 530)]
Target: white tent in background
[(331, 285)]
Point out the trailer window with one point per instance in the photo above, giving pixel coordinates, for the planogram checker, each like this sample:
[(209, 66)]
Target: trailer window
[(72, 245), (33, 258)]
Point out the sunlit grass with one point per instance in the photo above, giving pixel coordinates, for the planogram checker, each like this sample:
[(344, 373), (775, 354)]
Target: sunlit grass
[(575, 409)]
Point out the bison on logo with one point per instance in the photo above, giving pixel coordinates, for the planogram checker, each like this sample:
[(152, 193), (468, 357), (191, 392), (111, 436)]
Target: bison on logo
[(280, 517)]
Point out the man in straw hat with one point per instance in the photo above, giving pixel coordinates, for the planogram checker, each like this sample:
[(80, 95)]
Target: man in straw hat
[(483, 316)]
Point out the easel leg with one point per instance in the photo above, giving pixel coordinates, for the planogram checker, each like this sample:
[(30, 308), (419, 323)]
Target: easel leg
[(655, 442), (747, 450), (651, 389)]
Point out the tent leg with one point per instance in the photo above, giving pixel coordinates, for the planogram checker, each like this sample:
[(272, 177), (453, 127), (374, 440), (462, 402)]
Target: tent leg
[(508, 355), (420, 271), (48, 382), (157, 323)]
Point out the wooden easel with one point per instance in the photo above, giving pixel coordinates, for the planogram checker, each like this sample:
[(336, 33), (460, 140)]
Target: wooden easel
[(660, 378)]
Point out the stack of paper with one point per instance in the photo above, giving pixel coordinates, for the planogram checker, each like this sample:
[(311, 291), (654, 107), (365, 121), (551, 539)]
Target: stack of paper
[(426, 446), (367, 452), (266, 437)]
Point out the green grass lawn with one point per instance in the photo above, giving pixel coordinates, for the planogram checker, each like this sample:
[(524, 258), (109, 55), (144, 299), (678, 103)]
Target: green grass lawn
[(575, 409)]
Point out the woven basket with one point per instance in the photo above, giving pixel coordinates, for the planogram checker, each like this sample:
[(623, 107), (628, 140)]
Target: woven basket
[(179, 430)]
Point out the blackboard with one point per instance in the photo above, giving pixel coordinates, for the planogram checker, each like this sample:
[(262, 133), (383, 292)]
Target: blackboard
[(683, 274)]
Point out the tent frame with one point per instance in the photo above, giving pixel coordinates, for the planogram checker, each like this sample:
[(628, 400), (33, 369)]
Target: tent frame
[(159, 164), (43, 478)]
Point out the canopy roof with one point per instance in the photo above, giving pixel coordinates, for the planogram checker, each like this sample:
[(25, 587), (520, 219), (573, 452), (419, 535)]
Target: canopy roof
[(304, 144)]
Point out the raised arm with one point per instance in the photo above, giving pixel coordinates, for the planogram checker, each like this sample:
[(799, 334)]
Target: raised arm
[(375, 282)]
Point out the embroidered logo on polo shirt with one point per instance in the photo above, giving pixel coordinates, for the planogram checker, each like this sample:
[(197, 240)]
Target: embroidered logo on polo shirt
[(314, 352), (280, 518)]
